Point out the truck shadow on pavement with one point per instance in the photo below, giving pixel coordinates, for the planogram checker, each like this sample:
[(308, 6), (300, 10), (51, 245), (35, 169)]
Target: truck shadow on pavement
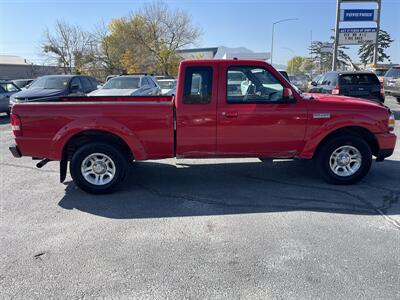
[(157, 190)]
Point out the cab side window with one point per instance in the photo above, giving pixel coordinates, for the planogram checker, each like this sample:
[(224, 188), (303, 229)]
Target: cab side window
[(252, 85), (76, 82), (198, 85), (146, 82), (330, 79), (87, 86)]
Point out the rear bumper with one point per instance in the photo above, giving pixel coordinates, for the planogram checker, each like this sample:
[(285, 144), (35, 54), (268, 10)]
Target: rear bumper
[(387, 143), (15, 151)]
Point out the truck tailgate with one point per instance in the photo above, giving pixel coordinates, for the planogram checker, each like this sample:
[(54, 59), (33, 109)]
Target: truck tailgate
[(144, 123)]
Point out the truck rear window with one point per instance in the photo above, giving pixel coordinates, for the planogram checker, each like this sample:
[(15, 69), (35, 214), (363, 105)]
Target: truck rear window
[(198, 85), (358, 79)]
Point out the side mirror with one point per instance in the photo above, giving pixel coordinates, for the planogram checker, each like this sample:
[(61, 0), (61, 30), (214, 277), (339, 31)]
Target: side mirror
[(313, 83), (288, 95), (74, 88)]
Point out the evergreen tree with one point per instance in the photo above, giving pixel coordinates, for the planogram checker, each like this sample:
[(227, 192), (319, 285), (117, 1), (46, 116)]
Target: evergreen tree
[(366, 51)]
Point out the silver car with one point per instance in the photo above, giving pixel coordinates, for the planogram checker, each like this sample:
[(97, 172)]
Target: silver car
[(129, 85), (7, 88), (392, 82)]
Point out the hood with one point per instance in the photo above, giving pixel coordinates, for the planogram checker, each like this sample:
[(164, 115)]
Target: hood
[(113, 92), (167, 92), (339, 100), (30, 94)]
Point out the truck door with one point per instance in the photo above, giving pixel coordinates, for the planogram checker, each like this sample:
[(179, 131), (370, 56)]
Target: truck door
[(196, 111), (252, 117)]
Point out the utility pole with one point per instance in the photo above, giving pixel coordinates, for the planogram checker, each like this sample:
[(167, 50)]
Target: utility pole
[(311, 54), (273, 30), (336, 42), (378, 22)]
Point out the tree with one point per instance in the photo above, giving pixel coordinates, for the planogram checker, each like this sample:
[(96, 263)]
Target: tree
[(307, 65), (366, 51), (324, 59), (147, 40), (69, 46), (294, 65)]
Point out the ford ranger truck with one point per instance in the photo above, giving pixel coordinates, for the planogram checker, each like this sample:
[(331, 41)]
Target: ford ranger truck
[(222, 109)]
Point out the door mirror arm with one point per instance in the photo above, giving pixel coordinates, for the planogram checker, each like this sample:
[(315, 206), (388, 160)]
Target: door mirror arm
[(288, 96)]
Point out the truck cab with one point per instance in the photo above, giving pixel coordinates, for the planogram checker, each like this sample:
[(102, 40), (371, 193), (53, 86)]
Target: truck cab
[(227, 108)]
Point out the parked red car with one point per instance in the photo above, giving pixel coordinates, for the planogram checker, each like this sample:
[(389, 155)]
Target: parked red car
[(222, 108)]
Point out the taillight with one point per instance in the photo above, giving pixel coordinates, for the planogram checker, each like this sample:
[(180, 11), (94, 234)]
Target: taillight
[(335, 90), (16, 125), (391, 122)]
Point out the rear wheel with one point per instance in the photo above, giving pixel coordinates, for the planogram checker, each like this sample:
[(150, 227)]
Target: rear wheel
[(98, 168), (398, 99), (344, 159)]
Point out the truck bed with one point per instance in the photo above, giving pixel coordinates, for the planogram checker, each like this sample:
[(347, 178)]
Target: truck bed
[(144, 123)]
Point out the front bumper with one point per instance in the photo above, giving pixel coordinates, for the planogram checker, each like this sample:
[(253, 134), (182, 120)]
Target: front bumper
[(15, 151), (387, 143)]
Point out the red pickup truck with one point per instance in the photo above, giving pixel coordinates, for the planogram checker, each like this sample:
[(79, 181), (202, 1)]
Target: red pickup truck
[(222, 108)]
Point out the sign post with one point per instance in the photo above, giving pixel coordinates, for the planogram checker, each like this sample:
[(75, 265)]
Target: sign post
[(356, 35), (378, 26), (336, 43)]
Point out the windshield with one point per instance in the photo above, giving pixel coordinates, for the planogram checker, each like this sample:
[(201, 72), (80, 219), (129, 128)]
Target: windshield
[(393, 72), (58, 83), (166, 84), (21, 83), (380, 72), (9, 87), (122, 83)]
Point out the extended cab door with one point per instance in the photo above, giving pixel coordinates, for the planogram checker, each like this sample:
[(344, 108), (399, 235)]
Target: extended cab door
[(253, 118), (196, 105)]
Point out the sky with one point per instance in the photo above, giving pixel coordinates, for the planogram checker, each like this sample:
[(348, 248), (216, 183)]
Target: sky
[(235, 23)]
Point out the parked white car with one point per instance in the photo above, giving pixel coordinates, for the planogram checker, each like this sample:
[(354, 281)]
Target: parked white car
[(129, 85), (168, 86)]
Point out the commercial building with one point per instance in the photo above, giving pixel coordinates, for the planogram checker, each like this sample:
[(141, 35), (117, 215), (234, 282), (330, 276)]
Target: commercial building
[(16, 67)]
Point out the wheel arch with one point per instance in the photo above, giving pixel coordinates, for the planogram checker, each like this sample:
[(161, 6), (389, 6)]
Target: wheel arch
[(95, 135), (358, 131)]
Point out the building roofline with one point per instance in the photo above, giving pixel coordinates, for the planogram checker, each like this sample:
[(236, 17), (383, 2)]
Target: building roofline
[(213, 49)]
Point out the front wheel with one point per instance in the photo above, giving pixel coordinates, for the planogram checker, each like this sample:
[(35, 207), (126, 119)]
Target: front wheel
[(344, 160), (98, 168)]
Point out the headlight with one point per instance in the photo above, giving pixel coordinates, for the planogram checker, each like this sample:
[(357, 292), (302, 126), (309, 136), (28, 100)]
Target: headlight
[(391, 121)]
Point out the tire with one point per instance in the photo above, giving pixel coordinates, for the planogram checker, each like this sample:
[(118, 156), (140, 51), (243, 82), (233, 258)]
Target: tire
[(344, 148), (398, 99), (105, 166)]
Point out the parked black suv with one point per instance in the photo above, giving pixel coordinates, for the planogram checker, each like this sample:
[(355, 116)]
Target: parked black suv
[(53, 86), (350, 83), (391, 82)]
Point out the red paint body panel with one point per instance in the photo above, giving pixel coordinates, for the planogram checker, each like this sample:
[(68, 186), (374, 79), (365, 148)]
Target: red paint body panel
[(259, 130), (216, 129), (146, 128)]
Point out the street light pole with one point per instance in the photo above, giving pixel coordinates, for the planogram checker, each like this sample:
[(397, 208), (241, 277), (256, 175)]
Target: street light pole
[(273, 30)]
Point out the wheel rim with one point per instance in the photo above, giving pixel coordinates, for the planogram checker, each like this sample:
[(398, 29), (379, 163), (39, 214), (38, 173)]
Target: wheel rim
[(98, 169), (345, 161)]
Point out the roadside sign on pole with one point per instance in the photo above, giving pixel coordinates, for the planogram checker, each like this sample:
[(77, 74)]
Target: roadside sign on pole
[(358, 15), (357, 36), (326, 48)]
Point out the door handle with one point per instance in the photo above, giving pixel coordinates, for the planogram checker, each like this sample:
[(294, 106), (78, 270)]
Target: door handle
[(230, 114)]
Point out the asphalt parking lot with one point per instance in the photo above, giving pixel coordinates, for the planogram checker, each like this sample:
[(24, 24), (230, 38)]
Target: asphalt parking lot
[(200, 229)]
